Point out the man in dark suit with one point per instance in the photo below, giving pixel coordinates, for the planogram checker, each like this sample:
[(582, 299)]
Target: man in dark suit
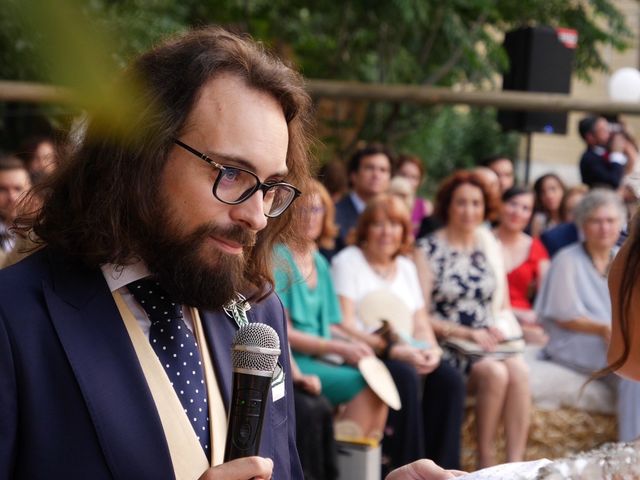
[(14, 183), (609, 154), (157, 224), (369, 175)]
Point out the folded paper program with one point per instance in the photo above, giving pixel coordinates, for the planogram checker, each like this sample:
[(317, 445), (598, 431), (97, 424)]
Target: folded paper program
[(503, 349)]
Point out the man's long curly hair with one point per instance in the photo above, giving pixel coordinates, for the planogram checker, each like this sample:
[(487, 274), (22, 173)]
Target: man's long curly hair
[(97, 207)]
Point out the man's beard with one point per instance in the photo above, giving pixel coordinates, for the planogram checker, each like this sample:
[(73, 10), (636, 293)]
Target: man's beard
[(190, 270)]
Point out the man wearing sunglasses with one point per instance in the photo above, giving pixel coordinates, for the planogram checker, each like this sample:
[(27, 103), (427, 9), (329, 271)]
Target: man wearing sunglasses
[(115, 336)]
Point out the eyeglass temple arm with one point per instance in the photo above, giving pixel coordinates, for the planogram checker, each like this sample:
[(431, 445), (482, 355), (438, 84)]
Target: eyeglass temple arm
[(199, 154)]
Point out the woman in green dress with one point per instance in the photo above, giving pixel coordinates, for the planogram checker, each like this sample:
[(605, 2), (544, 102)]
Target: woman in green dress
[(318, 342)]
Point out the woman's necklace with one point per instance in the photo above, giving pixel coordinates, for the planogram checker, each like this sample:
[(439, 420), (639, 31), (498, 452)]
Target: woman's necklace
[(307, 267), (607, 267), (384, 271)]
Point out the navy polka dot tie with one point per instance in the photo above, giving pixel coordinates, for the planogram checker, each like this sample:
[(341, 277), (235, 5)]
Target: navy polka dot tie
[(177, 350)]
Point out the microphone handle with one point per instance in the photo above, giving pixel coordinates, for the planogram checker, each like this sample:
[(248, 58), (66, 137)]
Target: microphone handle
[(248, 403)]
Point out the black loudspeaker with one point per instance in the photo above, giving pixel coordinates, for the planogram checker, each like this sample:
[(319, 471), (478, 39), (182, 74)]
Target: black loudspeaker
[(540, 60)]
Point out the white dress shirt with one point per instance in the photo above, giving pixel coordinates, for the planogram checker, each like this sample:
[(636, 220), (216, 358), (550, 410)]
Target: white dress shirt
[(119, 276)]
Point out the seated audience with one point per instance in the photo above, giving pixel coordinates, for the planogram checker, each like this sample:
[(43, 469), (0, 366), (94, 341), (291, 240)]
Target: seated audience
[(14, 184), (631, 202), (412, 168), (502, 166), (369, 175), (432, 223), (574, 302), (376, 264), (40, 156), (549, 190), (567, 232), (333, 176), (303, 282), (401, 187), (492, 184), (610, 154), (314, 427), (525, 258), (572, 197), (461, 280)]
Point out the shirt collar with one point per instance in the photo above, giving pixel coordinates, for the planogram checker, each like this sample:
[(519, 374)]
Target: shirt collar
[(358, 202), (118, 276)]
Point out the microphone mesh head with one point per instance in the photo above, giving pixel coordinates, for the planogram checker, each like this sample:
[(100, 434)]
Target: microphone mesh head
[(248, 348)]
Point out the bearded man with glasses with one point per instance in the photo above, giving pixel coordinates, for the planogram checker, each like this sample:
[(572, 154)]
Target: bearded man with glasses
[(176, 208), (156, 243)]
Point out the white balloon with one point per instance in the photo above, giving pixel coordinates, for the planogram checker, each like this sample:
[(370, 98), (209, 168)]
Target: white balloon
[(624, 85)]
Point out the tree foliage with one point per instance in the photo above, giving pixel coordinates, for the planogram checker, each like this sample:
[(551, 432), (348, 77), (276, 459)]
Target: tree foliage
[(428, 42)]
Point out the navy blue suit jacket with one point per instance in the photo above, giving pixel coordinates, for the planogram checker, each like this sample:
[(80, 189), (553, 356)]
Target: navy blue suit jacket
[(346, 216), (598, 171), (559, 237), (346, 219), (74, 403)]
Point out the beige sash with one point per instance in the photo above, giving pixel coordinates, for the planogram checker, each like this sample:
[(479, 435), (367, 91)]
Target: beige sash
[(216, 406), (188, 458)]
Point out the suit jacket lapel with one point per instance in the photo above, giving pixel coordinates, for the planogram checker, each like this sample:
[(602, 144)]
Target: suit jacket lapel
[(108, 373), (220, 330)]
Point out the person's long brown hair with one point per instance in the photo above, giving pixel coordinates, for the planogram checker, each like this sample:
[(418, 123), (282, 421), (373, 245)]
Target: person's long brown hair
[(449, 185), (97, 206), (622, 309), (329, 232), (385, 207)]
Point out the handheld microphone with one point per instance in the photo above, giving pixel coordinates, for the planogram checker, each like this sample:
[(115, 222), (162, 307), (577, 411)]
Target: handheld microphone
[(254, 356)]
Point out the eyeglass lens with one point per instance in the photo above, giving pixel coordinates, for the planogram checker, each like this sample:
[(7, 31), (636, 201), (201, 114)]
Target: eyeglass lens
[(235, 186)]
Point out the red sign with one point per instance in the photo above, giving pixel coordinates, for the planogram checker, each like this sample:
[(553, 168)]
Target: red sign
[(568, 37)]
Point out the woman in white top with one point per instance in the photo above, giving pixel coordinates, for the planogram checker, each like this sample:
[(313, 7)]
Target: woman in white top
[(375, 264)]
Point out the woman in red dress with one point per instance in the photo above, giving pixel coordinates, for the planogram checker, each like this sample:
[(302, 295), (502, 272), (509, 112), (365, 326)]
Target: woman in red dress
[(526, 259)]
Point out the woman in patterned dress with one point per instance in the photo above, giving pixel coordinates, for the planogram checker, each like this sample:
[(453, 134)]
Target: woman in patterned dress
[(459, 284)]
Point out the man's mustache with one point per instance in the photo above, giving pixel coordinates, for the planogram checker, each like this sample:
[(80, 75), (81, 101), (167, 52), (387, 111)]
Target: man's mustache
[(234, 233)]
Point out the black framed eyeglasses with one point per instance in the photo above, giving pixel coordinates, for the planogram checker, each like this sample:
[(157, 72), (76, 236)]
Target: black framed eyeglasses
[(234, 185)]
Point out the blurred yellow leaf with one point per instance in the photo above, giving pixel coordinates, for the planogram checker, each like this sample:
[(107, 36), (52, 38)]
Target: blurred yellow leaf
[(75, 52)]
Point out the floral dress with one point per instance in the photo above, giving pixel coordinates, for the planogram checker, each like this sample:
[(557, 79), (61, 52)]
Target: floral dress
[(463, 288)]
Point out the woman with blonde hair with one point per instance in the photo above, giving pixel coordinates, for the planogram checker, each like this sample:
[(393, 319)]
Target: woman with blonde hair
[(304, 285)]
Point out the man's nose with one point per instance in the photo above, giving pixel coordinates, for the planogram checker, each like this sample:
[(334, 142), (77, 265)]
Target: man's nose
[(250, 213)]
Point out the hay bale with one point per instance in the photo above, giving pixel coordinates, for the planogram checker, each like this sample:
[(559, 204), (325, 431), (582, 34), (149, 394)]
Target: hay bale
[(553, 434)]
